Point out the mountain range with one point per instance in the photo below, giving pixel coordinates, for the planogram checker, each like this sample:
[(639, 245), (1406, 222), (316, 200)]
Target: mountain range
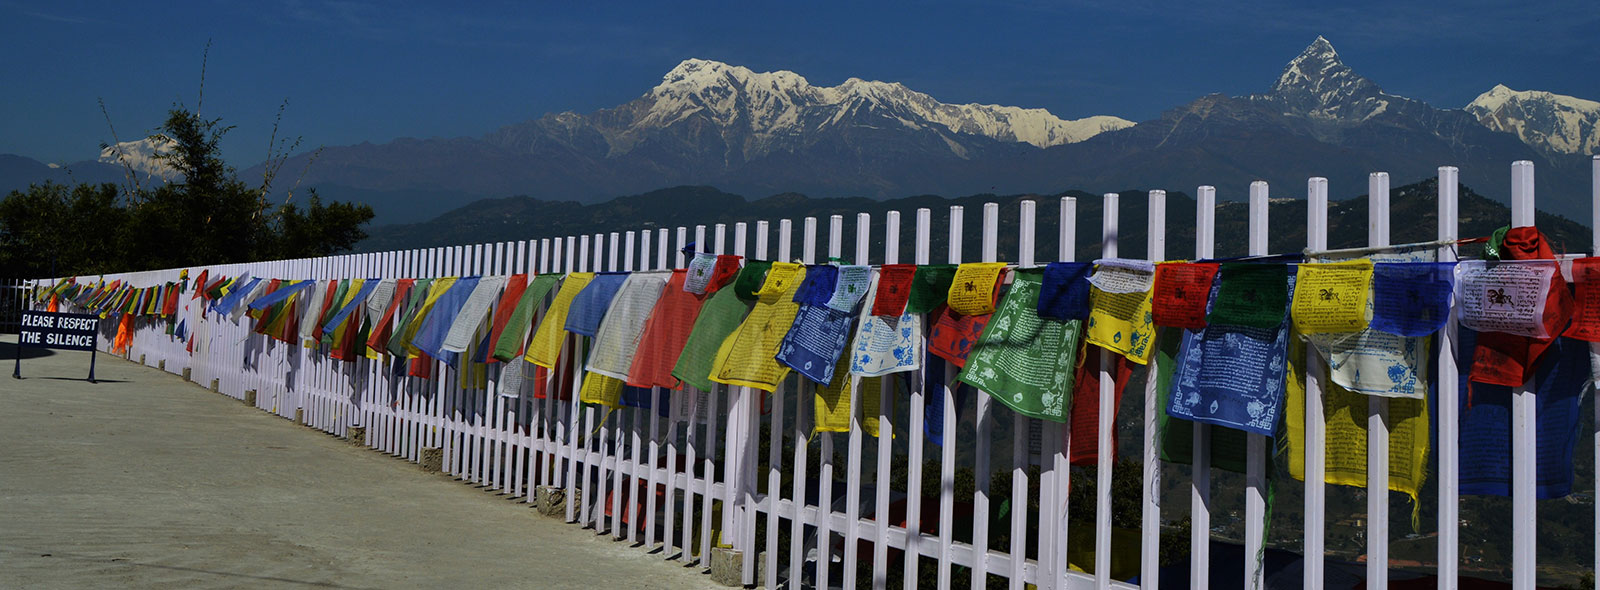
[(765, 133)]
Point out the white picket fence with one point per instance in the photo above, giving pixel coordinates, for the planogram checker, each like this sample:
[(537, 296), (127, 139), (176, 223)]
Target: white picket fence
[(705, 481)]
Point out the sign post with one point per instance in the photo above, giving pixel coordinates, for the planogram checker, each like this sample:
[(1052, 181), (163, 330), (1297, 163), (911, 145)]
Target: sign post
[(61, 331)]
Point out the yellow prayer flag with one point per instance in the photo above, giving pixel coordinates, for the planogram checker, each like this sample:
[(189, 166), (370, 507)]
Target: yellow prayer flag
[(972, 290), (601, 389), (1122, 323), (1345, 419), (546, 346), (833, 402), (747, 357), (1332, 297)]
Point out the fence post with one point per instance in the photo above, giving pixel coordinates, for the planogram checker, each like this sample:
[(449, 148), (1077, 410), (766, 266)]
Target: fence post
[(1524, 461), (1378, 413), (1110, 219), (1200, 480), (1449, 403), (1255, 499), (1316, 489), (1150, 500)]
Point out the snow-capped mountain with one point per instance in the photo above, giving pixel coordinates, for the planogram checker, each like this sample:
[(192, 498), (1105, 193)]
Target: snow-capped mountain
[(142, 155), (1318, 84), (1552, 122), (775, 105)]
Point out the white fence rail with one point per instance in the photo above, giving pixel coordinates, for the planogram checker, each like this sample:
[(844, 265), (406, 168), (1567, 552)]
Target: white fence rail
[(827, 510)]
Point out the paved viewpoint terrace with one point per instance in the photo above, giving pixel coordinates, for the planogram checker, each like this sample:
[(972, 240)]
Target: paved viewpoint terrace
[(144, 481)]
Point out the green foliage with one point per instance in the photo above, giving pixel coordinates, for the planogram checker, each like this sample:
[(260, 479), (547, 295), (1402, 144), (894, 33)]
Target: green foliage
[(207, 216)]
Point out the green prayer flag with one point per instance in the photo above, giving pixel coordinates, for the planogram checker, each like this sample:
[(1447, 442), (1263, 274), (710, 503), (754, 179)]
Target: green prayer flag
[(749, 281), (930, 286), (1024, 361), (521, 321), (397, 341), (719, 317), (1252, 295)]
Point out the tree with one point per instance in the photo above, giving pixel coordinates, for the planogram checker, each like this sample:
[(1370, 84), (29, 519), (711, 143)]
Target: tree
[(205, 216)]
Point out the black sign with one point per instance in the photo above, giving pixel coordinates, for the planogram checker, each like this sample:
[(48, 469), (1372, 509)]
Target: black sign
[(65, 331)]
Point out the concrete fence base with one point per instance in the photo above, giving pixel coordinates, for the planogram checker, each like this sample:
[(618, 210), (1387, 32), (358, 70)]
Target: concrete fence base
[(187, 373), (250, 397), (216, 385), (141, 359), (162, 364), (727, 566), (357, 435), (550, 501), (431, 459), (300, 416)]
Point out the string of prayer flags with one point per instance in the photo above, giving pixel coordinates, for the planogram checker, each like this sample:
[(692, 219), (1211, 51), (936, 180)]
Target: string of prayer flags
[(1331, 297), (719, 317), (749, 356), (618, 337), (701, 269), (591, 304), (1507, 297), (546, 345), (1064, 296), (851, 287), (1586, 305), (1025, 362), (1181, 291), (1122, 321), (666, 334), (1411, 298), (930, 287), (1558, 385), (1252, 295), (1232, 375), (819, 284), (973, 290), (1084, 446), (511, 342), (886, 344), (750, 279), (892, 290)]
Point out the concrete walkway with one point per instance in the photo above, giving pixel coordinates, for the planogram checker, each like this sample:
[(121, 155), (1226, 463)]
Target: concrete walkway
[(144, 481)]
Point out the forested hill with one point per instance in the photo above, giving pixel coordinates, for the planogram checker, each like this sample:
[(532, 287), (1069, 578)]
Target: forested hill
[(1413, 218)]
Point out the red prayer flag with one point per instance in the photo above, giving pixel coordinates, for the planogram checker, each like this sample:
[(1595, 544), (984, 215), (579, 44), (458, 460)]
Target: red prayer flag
[(1586, 312), (1181, 291), (894, 287), (724, 272), (1085, 441), (1509, 359)]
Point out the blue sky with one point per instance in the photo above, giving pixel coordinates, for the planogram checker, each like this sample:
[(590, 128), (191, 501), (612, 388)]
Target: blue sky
[(353, 70)]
